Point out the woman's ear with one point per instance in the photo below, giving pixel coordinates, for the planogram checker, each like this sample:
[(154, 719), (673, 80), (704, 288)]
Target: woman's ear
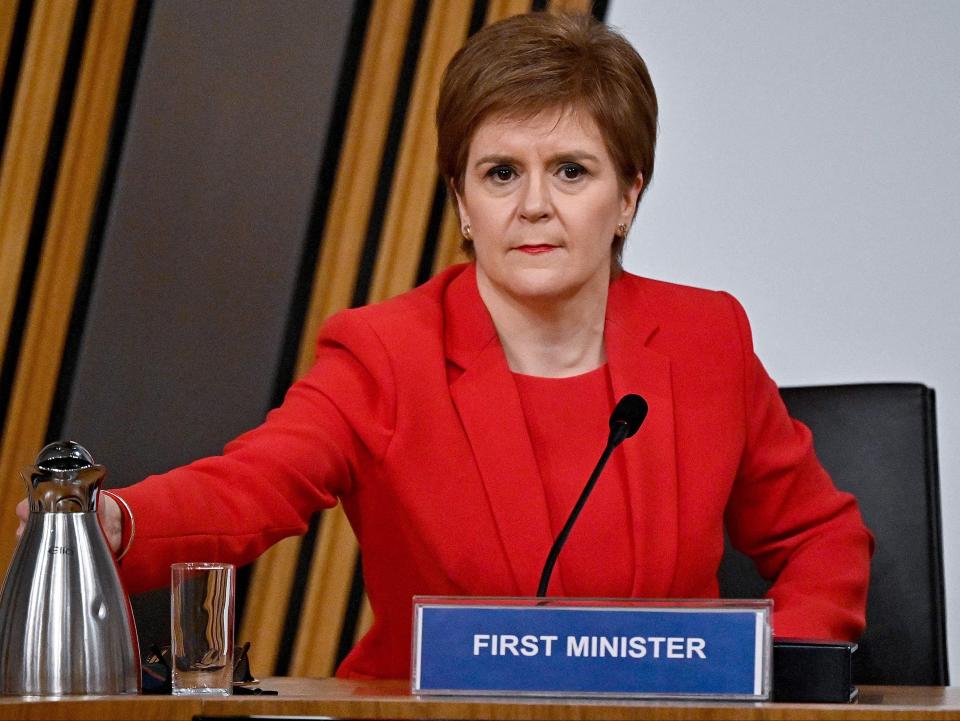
[(630, 196), (458, 202)]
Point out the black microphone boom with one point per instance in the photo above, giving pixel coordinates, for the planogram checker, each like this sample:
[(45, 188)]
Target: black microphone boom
[(626, 419)]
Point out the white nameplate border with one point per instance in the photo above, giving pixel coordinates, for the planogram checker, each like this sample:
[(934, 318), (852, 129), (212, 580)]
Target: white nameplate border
[(592, 647)]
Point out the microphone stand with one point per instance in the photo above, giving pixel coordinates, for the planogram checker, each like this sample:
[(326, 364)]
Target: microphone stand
[(618, 433)]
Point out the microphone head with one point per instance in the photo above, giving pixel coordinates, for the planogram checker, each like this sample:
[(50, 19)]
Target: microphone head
[(629, 414)]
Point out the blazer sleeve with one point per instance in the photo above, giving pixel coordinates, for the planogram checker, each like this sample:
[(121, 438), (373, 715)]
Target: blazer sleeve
[(268, 482), (784, 512)]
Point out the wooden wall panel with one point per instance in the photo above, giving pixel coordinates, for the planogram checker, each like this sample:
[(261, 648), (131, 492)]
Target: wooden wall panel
[(26, 143), (356, 178), (412, 190), (570, 6), (8, 16), (64, 244), (500, 9), (25, 152), (328, 588), (448, 241)]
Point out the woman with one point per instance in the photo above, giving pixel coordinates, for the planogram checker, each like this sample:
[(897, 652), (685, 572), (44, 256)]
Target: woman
[(458, 422)]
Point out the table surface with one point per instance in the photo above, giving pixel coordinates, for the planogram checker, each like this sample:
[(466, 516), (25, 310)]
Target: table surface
[(345, 699)]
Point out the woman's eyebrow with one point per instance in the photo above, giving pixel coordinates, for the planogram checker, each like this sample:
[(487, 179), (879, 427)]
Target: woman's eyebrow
[(563, 156), (495, 159), (573, 155)]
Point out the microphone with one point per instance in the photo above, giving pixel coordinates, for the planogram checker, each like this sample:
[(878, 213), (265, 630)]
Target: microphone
[(626, 419)]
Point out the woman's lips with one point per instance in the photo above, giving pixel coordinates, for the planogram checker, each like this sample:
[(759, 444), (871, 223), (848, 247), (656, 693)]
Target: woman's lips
[(536, 249)]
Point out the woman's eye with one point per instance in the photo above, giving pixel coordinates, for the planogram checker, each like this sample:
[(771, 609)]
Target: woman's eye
[(501, 173), (572, 171)]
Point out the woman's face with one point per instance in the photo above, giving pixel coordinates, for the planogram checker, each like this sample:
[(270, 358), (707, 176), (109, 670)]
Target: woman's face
[(543, 201)]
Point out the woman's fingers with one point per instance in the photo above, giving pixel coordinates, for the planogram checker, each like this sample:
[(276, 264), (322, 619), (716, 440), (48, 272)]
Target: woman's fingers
[(23, 512), (108, 511)]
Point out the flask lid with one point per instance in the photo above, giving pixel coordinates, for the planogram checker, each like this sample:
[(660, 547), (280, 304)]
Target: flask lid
[(63, 456), (63, 479)]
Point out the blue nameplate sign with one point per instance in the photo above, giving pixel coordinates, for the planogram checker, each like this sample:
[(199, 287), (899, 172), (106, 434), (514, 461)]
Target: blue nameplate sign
[(573, 647)]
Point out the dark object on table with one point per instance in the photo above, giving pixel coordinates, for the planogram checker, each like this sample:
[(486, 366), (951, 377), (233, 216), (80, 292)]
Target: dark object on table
[(813, 671), (157, 675)]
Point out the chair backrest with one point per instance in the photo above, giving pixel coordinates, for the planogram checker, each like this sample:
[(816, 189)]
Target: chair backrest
[(879, 442)]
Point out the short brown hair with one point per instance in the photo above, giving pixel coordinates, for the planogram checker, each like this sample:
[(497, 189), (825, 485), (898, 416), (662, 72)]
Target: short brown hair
[(532, 63)]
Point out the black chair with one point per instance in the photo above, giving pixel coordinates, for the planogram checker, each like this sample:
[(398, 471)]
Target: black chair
[(879, 442)]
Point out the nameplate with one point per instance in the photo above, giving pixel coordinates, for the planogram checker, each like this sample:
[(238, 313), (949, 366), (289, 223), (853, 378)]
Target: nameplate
[(573, 647)]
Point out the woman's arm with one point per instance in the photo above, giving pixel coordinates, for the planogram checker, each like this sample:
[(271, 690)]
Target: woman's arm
[(786, 514), (268, 483)]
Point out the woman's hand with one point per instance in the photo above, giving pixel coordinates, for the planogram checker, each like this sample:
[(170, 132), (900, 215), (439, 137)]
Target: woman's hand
[(23, 513), (108, 513), (111, 518)]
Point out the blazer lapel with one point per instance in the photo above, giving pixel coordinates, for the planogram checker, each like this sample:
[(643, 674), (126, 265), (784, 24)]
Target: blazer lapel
[(486, 398), (650, 455)]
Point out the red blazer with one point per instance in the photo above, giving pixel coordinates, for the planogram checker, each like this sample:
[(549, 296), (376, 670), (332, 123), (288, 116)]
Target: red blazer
[(411, 418)]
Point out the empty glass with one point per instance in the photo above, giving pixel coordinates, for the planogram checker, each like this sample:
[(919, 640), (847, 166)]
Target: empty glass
[(201, 628)]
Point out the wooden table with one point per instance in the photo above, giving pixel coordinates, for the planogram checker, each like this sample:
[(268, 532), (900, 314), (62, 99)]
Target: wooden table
[(392, 700)]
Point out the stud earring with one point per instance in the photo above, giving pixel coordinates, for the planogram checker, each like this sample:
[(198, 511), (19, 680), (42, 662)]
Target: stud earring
[(622, 230), (466, 231)]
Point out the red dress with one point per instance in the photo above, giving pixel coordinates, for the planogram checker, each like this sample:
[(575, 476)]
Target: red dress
[(568, 422), (412, 419)]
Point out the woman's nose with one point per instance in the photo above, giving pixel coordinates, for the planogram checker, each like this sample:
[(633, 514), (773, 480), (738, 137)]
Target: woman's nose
[(535, 200)]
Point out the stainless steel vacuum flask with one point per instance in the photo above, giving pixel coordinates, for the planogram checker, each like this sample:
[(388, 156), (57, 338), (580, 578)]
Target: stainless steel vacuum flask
[(65, 622)]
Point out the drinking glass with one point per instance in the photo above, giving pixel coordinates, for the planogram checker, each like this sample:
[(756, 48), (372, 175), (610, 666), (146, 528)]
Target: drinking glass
[(201, 628)]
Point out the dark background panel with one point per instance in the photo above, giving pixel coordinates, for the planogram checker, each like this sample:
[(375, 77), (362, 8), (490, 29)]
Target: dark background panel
[(204, 234), (205, 229)]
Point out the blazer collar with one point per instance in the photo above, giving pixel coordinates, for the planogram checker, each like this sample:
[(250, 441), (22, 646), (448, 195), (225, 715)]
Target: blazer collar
[(486, 398), (651, 460)]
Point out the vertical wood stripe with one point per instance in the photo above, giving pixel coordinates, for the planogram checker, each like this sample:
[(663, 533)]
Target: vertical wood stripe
[(448, 242), (570, 6), (328, 589), (266, 603), (500, 9), (412, 190), (364, 620), (8, 17), (333, 284), (356, 179), (26, 144), (68, 226)]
